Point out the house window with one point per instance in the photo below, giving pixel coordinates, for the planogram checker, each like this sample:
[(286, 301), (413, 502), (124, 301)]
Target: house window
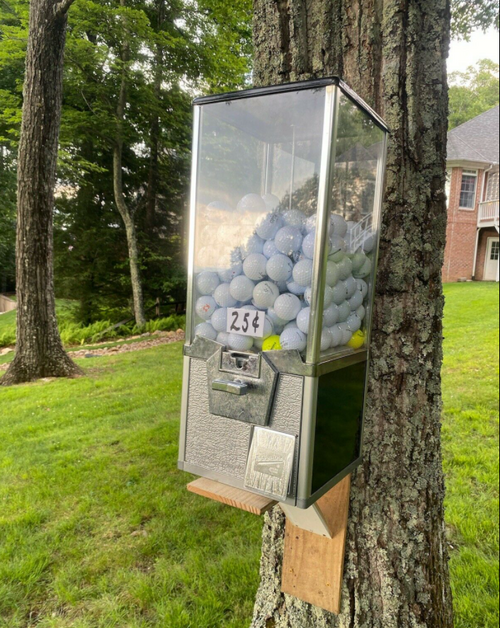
[(495, 251), (468, 190), (492, 191)]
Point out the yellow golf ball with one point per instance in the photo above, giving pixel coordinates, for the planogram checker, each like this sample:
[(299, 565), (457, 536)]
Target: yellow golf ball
[(357, 340), (272, 344)]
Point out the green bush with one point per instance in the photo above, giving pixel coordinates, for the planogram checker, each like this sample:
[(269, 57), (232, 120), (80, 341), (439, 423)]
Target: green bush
[(77, 334)]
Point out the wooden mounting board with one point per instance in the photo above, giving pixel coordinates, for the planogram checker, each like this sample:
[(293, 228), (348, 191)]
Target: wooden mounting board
[(236, 497), (313, 566)]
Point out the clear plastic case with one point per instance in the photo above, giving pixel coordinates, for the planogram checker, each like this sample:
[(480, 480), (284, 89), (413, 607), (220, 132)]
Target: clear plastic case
[(285, 221)]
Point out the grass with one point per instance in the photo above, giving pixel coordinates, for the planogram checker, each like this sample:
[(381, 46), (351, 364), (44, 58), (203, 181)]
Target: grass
[(96, 527), (98, 531), (470, 385)]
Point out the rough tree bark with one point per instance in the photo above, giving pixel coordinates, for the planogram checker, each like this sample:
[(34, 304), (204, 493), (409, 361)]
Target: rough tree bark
[(39, 351), (125, 212), (393, 52)]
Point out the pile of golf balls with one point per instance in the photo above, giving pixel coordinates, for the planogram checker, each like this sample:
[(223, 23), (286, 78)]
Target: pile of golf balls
[(270, 268)]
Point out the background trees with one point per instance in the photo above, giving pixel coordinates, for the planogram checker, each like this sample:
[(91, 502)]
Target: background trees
[(178, 49), (473, 92)]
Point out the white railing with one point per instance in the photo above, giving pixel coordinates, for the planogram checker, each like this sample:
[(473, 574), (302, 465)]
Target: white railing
[(489, 212)]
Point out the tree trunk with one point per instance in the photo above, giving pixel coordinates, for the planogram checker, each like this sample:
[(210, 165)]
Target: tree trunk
[(392, 52), (39, 349), (125, 212), (152, 193)]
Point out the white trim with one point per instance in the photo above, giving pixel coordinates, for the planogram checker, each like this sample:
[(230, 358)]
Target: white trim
[(469, 173), (489, 245)]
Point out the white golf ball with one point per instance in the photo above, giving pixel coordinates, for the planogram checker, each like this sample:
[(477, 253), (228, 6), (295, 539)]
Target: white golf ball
[(345, 268), (311, 223), (339, 225), (240, 343), (223, 338), (336, 336), (254, 266), (288, 240), (295, 288), (279, 267), (326, 339), (328, 298), (287, 306), (282, 286), (252, 203), (265, 294), (356, 300), (219, 319), (205, 330), (344, 311), (330, 315), (338, 246), (205, 307), (222, 296), (362, 287), (332, 273), (268, 327), (308, 244), (294, 218), (258, 343), (292, 325), (272, 201), (369, 243), (303, 320), (276, 320), (302, 272), (227, 275), (308, 296), (365, 270), (241, 288), (206, 282), (293, 339), (269, 226), (358, 259), (361, 312), (339, 292), (353, 323), (254, 244), (351, 287), (346, 334), (270, 249)]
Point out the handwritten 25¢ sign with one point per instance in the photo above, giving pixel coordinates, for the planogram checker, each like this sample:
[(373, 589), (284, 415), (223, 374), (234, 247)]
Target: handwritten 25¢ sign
[(246, 322)]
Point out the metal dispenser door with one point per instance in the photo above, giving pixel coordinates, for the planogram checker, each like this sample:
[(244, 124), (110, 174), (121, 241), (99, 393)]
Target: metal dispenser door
[(241, 386)]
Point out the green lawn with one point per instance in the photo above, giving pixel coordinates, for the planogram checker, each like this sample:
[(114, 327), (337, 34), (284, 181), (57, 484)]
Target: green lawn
[(470, 384), (98, 531)]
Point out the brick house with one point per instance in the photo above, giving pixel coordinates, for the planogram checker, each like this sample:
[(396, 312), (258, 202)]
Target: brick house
[(472, 248)]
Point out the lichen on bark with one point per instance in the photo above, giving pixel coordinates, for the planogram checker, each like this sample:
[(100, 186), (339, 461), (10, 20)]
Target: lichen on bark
[(393, 53)]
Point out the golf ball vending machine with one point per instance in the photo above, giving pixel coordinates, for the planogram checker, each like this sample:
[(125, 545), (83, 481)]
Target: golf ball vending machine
[(287, 188)]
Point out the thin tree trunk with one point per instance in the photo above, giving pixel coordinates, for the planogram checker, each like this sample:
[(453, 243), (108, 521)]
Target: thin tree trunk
[(152, 194), (125, 212), (393, 52), (39, 350)]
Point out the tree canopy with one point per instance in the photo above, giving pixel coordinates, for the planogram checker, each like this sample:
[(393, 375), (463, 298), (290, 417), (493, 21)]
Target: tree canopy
[(473, 92), (178, 49), (471, 15)]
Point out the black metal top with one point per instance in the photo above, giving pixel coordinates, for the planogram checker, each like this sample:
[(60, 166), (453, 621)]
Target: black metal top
[(293, 87)]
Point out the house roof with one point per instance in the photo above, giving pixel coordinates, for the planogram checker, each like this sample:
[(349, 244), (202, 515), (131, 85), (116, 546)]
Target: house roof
[(476, 140)]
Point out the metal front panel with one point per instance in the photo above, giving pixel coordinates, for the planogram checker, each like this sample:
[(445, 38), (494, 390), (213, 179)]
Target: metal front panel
[(218, 447)]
